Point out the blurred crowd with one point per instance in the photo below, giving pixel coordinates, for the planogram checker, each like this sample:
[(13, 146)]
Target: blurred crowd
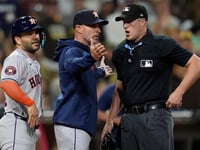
[(179, 19)]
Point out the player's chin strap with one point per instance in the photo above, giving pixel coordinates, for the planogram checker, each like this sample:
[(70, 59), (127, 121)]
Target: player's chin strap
[(42, 39)]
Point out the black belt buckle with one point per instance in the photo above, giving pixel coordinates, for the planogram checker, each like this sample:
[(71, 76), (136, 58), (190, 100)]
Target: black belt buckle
[(156, 106), (138, 109)]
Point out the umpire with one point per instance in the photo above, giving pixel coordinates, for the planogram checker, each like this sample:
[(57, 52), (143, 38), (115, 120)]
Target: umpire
[(144, 64)]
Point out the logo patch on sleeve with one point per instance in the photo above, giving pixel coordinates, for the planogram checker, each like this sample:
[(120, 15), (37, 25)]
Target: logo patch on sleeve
[(10, 70)]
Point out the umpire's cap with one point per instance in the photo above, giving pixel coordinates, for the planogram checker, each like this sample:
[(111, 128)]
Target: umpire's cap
[(133, 12), (25, 24), (88, 17)]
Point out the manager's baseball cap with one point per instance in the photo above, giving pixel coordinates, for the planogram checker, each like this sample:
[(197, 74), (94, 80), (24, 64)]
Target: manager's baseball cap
[(88, 17), (133, 12)]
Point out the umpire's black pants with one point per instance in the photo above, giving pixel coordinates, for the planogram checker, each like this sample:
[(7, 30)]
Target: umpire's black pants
[(151, 130)]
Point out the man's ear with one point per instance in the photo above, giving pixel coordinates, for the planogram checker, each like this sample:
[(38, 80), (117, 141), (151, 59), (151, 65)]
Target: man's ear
[(17, 39), (78, 29)]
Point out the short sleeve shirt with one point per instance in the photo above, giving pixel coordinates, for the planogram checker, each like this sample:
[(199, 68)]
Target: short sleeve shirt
[(21, 69), (145, 67)]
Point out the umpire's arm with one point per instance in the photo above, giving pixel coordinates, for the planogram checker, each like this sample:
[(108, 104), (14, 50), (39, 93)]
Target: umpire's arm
[(191, 76)]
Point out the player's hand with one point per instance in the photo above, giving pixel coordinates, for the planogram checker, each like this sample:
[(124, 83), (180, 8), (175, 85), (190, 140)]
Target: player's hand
[(174, 100), (108, 70), (33, 120), (107, 129), (97, 50)]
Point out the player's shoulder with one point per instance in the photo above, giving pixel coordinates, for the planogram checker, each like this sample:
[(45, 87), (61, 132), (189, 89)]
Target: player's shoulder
[(16, 53), (15, 56)]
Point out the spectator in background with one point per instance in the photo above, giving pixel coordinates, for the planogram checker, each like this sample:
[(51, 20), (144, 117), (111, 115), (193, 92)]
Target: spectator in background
[(9, 11), (185, 40), (68, 8), (164, 19), (106, 8), (113, 31), (195, 29), (192, 10)]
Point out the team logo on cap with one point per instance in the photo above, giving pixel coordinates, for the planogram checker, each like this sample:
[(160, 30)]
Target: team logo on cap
[(10, 70), (33, 20), (141, 15), (95, 14), (126, 8)]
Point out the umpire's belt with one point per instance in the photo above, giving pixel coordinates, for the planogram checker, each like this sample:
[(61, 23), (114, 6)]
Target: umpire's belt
[(138, 109), (17, 116)]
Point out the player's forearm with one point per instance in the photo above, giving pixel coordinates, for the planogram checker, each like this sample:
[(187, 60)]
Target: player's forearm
[(13, 91), (115, 101), (117, 120), (114, 107), (102, 116)]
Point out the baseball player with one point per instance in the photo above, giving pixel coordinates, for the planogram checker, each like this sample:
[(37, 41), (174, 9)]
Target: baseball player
[(21, 82)]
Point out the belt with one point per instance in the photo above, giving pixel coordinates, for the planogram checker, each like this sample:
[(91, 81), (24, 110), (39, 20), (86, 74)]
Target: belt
[(21, 118), (17, 116), (138, 109)]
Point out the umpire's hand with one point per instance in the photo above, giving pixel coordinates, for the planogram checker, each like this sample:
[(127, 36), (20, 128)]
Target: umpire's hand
[(33, 120)]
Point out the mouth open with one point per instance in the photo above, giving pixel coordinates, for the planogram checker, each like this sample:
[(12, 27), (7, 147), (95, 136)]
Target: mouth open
[(127, 33)]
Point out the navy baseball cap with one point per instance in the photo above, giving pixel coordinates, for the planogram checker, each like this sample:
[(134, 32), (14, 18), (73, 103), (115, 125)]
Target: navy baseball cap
[(88, 17), (133, 12), (25, 24)]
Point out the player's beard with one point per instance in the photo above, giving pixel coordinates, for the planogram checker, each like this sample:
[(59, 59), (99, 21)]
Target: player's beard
[(31, 48)]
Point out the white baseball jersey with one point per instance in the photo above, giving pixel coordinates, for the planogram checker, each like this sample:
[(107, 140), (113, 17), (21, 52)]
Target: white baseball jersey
[(26, 73)]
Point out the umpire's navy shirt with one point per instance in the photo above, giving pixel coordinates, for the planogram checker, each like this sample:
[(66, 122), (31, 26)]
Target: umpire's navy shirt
[(146, 71)]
